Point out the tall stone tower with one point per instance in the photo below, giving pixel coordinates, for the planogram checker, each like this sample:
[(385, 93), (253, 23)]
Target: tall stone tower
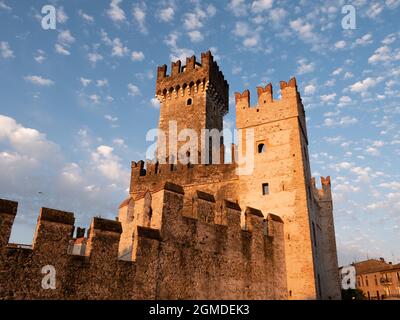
[(195, 96), (281, 183)]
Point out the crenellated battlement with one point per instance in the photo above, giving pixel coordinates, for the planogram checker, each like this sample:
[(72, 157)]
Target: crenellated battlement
[(268, 109), (325, 192), (155, 175), (265, 94), (193, 78), (212, 233)]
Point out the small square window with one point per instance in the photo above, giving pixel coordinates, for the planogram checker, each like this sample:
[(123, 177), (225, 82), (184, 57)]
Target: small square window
[(265, 189)]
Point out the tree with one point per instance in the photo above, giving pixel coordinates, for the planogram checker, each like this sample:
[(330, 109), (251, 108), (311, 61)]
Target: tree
[(353, 294)]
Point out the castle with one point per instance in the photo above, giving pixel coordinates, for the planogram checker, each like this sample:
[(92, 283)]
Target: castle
[(196, 231)]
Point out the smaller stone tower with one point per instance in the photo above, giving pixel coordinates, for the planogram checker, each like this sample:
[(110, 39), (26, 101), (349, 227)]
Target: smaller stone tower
[(195, 96)]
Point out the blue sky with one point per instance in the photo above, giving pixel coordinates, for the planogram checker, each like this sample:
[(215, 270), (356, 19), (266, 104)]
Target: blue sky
[(76, 102)]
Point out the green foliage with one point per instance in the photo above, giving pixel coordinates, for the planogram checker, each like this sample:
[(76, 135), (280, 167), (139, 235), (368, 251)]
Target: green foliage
[(353, 294)]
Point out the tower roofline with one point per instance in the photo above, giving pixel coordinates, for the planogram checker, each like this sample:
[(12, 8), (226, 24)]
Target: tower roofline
[(193, 72)]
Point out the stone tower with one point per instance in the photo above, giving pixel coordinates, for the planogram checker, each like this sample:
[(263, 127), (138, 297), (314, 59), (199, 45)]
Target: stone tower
[(194, 96), (281, 182)]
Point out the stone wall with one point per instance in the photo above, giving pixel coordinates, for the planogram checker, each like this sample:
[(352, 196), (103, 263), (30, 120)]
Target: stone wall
[(207, 256), (280, 126)]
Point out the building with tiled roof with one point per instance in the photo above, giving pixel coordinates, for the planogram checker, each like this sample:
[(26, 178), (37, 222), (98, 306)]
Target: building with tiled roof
[(378, 279)]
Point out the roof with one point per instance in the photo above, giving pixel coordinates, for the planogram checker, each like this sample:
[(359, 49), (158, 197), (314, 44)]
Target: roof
[(373, 265)]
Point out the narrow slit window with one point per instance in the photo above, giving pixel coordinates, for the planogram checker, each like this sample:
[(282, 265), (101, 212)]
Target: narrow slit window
[(265, 189)]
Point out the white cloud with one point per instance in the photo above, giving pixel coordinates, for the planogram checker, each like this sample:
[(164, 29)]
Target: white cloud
[(139, 15), (95, 98), (85, 82), (237, 70), (309, 90), (347, 120), (194, 20), (86, 17), (261, 5), (133, 90), (378, 144), (304, 29), (277, 15), (4, 6), (337, 71), (344, 101), (328, 97), (373, 151), (61, 15), (137, 56), (26, 141), (305, 67), (36, 164), (38, 80), (65, 37), (195, 36), (342, 122), (348, 75), (346, 188), (383, 54), (167, 14), (177, 53), (242, 29), (340, 44), (238, 7), (374, 10), (5, 50), (33, 172), (115, 13), (40, 56), (364, 85), (395, 185), (61, 50), (211, 10), (389, 39), (364, 40), (107, 163), (110, 118), (120, 142), (344, 165), (392, 4), (102, 83), (94, 57), (155, 103), (251, 41), (71, 172), (118, 49)]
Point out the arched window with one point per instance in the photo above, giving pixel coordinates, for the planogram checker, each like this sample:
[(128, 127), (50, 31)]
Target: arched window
[(189, 102), (261, 148)]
